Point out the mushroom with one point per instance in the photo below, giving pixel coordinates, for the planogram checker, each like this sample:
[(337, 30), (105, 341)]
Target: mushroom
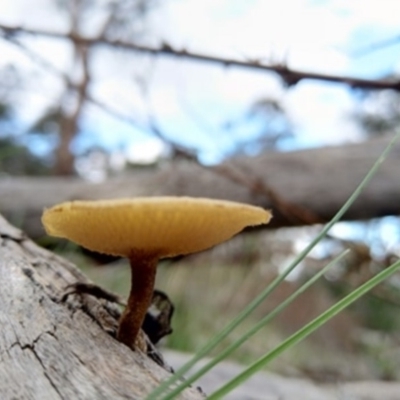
[(146, 230)]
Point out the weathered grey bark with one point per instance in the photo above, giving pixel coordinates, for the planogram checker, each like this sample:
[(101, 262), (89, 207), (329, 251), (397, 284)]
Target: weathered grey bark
[(317, 180), (53, 350)]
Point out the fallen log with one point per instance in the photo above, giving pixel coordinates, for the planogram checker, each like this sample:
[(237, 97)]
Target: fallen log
[(301, 187), (50, 349)]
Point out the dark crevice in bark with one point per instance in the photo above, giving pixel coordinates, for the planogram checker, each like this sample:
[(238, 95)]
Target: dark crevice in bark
[(31, 347), (52, 384)]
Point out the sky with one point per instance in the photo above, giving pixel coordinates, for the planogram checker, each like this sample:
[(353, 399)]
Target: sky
[(193, 102)]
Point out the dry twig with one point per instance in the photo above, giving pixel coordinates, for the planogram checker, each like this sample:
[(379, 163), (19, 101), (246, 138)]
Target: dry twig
[(288, 75)]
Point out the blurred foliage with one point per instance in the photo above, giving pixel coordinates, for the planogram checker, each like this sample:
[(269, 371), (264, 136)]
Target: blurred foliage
[(373, 312), (15, 157), (378, 314), (48, 123), (263, 127), (378, 112), (4, 110), (276, 125)]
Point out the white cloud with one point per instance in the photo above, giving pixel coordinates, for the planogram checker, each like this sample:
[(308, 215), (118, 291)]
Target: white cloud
[(146, 152), (33, 14)]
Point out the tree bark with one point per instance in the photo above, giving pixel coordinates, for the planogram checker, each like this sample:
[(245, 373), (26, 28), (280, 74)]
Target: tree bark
[(61, 350), (301, 187)]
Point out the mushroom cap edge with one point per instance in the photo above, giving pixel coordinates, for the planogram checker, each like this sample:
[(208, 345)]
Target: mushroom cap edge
[(163, 226)]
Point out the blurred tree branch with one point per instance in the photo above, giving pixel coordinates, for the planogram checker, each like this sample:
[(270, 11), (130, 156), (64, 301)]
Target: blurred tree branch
[(77, 88), (81, 89), (288, 75)]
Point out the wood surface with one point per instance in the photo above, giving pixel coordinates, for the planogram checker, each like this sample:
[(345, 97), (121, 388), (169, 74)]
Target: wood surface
[(51, 349)]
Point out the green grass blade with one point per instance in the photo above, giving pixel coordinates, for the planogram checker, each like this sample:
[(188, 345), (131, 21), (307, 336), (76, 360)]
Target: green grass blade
[(305, 331), (254, 329), (164, 386)]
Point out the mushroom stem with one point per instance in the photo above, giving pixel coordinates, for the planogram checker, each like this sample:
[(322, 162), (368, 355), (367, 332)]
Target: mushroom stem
[(143, 269)]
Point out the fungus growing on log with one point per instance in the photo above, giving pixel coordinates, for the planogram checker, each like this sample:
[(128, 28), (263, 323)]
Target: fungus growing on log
[(145, 230)]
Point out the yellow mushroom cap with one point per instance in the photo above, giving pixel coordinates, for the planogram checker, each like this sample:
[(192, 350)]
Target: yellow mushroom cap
[(160, 226)]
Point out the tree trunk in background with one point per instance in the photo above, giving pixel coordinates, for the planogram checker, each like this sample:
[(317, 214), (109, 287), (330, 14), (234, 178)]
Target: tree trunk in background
[(69, 122), (314, 184), (74, 97), (51, 350), (64, 162)]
